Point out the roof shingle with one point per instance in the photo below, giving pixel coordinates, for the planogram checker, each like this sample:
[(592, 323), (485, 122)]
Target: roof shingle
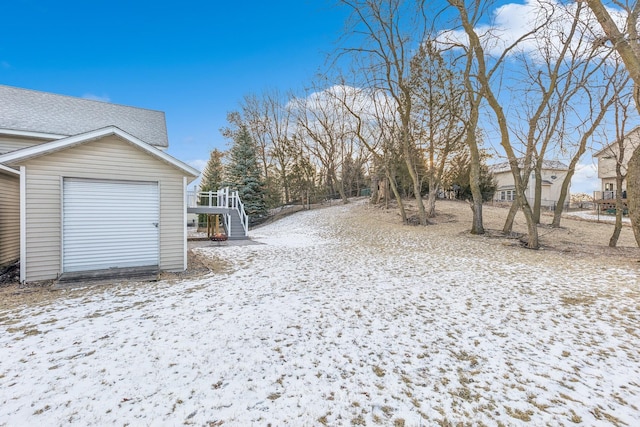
[(33, 111), (546, 164)]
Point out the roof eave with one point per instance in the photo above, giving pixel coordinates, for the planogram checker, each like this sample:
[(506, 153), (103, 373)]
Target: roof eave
[(30, 134), (9, 170)]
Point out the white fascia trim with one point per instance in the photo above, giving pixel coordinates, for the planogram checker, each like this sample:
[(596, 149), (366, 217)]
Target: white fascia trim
[(184, 221), (31, 134), (60, 144), (23, 223), (4, 168)]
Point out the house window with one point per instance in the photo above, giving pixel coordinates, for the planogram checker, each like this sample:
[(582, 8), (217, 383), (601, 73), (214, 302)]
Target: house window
[(508, 195)]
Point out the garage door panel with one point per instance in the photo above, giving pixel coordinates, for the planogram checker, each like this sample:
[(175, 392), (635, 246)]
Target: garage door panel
[(109, 224)]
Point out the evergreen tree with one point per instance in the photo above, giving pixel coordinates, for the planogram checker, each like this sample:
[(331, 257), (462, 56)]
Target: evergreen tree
[(459, 181), (212, 179), (243, 173), (213, 173)]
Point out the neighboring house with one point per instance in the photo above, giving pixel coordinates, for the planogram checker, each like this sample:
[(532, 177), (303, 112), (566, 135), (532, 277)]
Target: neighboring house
[(553, 173), (607, 159), (85, 186)]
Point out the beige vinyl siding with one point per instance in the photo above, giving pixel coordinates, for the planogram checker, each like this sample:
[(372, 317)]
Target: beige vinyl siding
[(106, 158), (13, 143), (608, 157), (550, 193), (607, 166), (9, 218)]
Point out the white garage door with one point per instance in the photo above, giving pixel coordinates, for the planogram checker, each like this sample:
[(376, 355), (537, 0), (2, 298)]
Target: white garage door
[(109, 224)]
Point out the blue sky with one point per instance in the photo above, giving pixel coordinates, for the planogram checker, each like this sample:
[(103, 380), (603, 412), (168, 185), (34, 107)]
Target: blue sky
[(193, 60)]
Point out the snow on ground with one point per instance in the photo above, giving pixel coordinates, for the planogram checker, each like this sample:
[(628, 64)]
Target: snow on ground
[(594, 216), (336, 320)]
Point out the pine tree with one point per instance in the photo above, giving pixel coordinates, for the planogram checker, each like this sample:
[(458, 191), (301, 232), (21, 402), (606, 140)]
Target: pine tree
[(244, 175), (212, 179), (212, 175), (459, 180)]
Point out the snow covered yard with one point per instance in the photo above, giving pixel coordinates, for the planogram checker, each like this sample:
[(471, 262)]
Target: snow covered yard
[(338, 319)]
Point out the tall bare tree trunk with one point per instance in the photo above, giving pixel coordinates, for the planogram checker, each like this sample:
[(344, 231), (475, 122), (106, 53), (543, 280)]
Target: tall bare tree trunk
[(633, 192), (422, 213), (343, 194), (537, 198), (477, 226), (613, 241), (394, 189), (483, 76), (431, 199), (375, 182), (511, 216)]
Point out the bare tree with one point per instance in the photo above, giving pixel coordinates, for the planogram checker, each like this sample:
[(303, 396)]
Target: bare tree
[(472, 99), (279, 129), (268, 120), (484, 73), (325, 130), (387, 31), (373, 124), (618, 152), (600, 103), (253, 116), (548, 88), (564, 102)]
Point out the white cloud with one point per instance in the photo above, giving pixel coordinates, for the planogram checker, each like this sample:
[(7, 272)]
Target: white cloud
[(198, 164), (585, 179), (93, 97), (512, 21)]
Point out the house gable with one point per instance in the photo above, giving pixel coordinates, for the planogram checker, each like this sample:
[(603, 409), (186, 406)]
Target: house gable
[(20, 156)]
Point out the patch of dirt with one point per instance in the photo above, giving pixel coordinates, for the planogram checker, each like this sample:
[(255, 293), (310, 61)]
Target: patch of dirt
[(13, 293), (198, 265), (576, 236), (10, 274)]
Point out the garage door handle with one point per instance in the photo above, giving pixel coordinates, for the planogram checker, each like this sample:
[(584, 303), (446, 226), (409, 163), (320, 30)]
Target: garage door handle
[(155, 224)]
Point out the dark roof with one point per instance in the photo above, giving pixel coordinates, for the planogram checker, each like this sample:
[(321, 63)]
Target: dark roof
[(41, 112), (546, 164)]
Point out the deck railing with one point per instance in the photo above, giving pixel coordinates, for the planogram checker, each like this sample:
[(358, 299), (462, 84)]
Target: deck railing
[(608, 195), (209, 199), (222, 198)]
